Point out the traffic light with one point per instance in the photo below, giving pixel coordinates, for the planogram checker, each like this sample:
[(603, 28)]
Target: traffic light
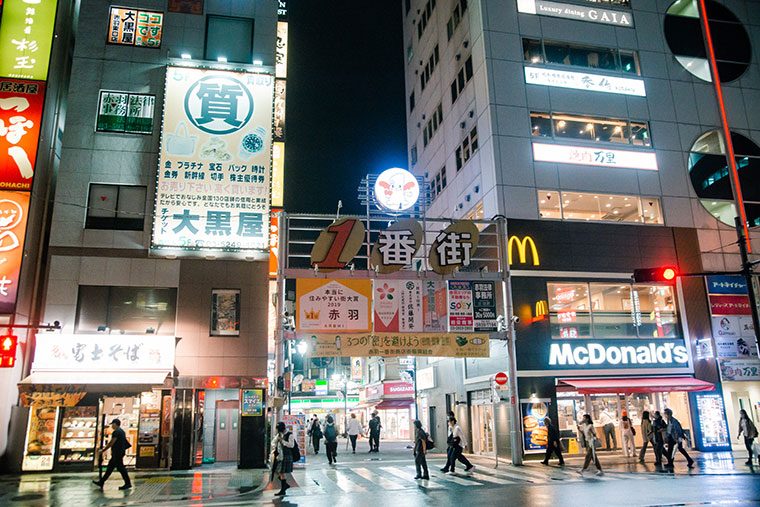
[(8, 350), (661, 274)]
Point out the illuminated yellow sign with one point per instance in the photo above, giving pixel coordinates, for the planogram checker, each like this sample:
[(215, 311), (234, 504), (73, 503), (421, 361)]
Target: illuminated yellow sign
[(278, 173), (541, 310), (522, 250)]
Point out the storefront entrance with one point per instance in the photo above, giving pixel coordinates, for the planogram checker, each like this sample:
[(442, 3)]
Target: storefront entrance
[(227, 421), (741, 396), (482, 429)]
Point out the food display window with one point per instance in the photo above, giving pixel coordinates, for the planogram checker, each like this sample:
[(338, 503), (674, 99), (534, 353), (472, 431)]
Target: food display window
[(76, 444), (127, 410), (39, 447)]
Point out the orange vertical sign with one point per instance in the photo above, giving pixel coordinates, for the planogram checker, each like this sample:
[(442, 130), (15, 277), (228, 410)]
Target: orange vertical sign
[(274, 242), (13, 215)]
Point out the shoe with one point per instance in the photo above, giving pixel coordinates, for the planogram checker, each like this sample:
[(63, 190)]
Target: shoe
[(600, 473), (354, 452), (748, 462), (545, 463), (580, 472), (641, 461), (417, 478), (125, 487), (98, 484), (425, 477), (690, 464), (469, 468), (444, 470)]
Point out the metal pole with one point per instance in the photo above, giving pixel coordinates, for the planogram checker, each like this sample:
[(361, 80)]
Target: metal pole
[(748, 276), (279, 335), (506, 282), (416, 406), (290, 376)]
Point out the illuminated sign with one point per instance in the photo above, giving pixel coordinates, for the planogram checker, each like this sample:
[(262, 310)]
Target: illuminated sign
[(522, 250), (579, 12), (213, 178), (584, 81), (601, 354), (133, 27), (20, 116), (278, 174), (541, 310), (337, 245), (8, 350), (26, 37), (602, 157), (396, 190), (13, 216), (396, 246), (282, 10), (131, 113), (454, 247), (281, 51), (333, 305), (274, 243), (279, 109)]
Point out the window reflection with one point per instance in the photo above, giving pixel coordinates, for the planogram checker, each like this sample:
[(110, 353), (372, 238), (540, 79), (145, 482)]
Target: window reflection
[(577, 55), (590, 128), (599, 207)]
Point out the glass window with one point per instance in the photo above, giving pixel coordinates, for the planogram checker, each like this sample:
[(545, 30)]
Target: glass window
[(118, 207), (135, 310), (541, 124), (569, 310), (611, 305), (573, 127), (532, 51), (131, 113), (650, 210), (563, 53), (468, 69), (629, 62), (548, 204), (590, 128), (220, 30), (654, 309)]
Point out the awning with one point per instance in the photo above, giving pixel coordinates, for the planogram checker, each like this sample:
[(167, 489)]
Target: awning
[(386, 404), (105, 382), (634, 385)]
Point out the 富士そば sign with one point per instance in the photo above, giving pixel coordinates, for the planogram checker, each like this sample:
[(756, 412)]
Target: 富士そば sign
[(398, 344), (215, 161)]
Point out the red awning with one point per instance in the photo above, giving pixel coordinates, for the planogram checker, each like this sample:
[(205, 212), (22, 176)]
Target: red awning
[(386, 404), (634, 385)]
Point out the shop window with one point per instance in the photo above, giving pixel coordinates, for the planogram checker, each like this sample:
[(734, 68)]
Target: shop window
[(133, 310), (131, 113), (710, 179), (118, 207), (599, 207), (683, 33), (590, 128), (537, 51), (220, 30)]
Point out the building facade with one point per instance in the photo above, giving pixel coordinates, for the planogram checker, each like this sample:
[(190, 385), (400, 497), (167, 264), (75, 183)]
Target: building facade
[(594, 127)]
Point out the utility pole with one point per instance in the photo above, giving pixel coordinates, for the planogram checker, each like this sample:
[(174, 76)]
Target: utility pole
[(747, 272)]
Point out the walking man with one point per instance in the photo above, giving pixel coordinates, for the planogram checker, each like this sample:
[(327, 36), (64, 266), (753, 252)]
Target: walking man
[(553, 446), (118, 445), (456, 442), (374, 433), (675, 437), (420, 449), (353, 430), (608, 425), (659, 427), (315, 432), (331, 440)]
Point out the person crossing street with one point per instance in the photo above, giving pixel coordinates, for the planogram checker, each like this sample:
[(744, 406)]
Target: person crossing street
[(675, 438), (118, 446)]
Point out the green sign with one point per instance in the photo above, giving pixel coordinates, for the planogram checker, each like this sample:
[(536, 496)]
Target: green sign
[(125, 112), (26, 36)]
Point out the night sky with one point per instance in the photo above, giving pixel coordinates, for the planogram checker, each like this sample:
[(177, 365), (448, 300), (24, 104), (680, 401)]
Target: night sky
[(345, 100)]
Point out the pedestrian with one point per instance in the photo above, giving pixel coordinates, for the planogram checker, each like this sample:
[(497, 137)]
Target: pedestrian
[(647, 435), (748, 429), (282, 450), (592, 443), (456, 443), (553, 445), (628, 431), (118, 446), (354, 428), (331, 440), (420, 449), (315, 433), (607, 421), (374, 432), (659, 427), (675, 436)]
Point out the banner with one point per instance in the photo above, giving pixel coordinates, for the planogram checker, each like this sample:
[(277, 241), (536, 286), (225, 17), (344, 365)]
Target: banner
[(739, 369), (535, 433), (253, 402), (484, 307), (26, 37), (434, 308), (398, 306), (461, 317), (398, 344), (13, 210), (213, 178), (20, 117), (333, 305)]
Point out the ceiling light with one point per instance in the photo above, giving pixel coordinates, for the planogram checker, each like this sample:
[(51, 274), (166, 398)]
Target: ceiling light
[(186, 56), (608, 205)]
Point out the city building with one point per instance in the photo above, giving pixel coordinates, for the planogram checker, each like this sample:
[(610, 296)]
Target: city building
[(160, 296), (593, 127)]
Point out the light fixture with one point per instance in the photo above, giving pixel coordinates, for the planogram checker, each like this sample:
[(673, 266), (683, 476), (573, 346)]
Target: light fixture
[(221, 59), (302, 347), (186, 56), (258, 63)]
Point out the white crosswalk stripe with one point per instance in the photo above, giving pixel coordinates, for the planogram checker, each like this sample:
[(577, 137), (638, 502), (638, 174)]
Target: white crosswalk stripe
[(407, 477), (383, 482)]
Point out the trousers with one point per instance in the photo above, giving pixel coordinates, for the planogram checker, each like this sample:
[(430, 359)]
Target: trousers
[(554, 447), (117, 462), (420, 463), (609, 430), (591, 456), (374, 440), (353, 442)]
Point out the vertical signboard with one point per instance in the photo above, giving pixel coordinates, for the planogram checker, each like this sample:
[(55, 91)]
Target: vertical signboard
[(484, 306), (398, 306), (297, 425), (281, 51), (26, 37), (535, 433), (274, 243), (461, 317), (13, 215), (134, 27), (20, 116), (213, 177), (434, 309), (278, 174)]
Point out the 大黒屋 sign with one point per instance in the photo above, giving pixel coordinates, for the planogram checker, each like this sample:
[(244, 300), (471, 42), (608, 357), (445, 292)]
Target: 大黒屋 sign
[(26, 37), (213, 178), (133, 27), (20, 116)]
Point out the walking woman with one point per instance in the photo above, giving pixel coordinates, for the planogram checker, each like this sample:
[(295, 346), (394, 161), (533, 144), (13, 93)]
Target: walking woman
[(353, 430), (282, 446), (331, 439), (628, 431), (589, 435), (658, 426), (748, 429), (647, 434), (420, 449)]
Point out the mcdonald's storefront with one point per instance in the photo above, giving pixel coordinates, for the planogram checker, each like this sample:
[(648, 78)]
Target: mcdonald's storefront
[(591, 341)]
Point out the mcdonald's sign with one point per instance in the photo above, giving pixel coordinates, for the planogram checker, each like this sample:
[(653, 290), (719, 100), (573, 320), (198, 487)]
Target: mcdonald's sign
[(541, 310), (522, 250)]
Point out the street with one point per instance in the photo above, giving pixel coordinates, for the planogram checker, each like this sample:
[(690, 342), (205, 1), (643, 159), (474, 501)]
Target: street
[(379, 478)]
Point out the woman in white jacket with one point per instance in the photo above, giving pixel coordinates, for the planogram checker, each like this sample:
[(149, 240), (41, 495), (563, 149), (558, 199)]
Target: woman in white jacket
[(353, 430)]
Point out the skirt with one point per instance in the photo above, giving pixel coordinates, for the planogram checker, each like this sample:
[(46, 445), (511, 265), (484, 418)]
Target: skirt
[(284, 465)]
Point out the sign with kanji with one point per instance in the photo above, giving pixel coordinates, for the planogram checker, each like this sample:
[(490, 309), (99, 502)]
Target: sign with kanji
[(484, 306), (133, 27), (103, 352), (281, 51), (396, 246), (280, 87), (131, 113), (454, 247), (20, 116), (461, 318), (13, 215), (398, 306), (213, 177), (434, 308), (398, 344), (739, 369), (26, 37), (324, 305)]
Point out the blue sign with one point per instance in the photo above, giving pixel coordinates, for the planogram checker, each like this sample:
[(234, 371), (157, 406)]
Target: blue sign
[(710, 429), (726, 284)]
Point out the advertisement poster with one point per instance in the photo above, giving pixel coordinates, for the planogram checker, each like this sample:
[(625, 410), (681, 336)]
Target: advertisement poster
[(333, 305), (125, 112), (484, 307), (739, 369), (297, 425), (461, 319), (253, 402), (39, 448), (434, 307), (398, 345), (713, 429), (13, 210), (213, 177), (386, 304), (410, 313), (132, 27), (357, 369), (20, 115), (535, 434), (732, 328), (26, 37), (225, 312)]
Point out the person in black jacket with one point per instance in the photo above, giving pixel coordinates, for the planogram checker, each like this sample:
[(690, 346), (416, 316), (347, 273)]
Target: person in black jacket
[(553, 446), (315, 432), (118, 445)]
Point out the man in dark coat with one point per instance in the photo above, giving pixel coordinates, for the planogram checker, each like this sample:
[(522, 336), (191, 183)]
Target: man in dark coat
[(553, 445), (118, 446)]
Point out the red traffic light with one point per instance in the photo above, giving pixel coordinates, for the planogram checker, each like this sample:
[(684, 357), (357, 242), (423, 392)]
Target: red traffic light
[(662, 274), (8, 350)]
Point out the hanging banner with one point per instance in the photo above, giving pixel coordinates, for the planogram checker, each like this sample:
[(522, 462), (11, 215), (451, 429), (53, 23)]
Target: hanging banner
[(20, 117), (398, 344), (434, 307), (213, 178), (461, 318), (26, 37), (398, 306), (357, 369), (13, 210), (324, 305), (484, 307), (535, 433)]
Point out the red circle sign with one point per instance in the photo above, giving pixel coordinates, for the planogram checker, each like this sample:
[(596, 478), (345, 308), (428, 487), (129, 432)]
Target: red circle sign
[(501, 378)]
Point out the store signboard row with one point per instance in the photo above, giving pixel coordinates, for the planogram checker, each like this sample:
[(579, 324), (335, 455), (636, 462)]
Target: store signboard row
[(592, 156), (213, 184), (584, 81), (577, 12), (397, 344)]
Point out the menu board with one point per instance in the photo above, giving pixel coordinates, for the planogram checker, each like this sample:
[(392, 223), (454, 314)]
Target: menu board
[(713, 430), (297, 424), (39, 448), (149, 429), (536, 436)]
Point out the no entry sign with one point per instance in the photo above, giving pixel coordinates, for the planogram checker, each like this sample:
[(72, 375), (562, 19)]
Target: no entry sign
[(501, 378)]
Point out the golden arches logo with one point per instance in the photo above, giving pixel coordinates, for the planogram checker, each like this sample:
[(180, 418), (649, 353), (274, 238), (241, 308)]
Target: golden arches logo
[(522, 247), (542, 308)]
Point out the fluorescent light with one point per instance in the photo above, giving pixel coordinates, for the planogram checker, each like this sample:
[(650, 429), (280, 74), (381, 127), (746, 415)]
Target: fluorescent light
[(258, 63), (186, 56), (221, 59)]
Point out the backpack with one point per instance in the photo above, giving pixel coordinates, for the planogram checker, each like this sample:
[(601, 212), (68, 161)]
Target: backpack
[(331, 434), (316, 431), (374, 424), (295, 452)]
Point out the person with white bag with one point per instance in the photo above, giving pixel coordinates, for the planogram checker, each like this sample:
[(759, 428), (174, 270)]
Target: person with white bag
[(748, 429)]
